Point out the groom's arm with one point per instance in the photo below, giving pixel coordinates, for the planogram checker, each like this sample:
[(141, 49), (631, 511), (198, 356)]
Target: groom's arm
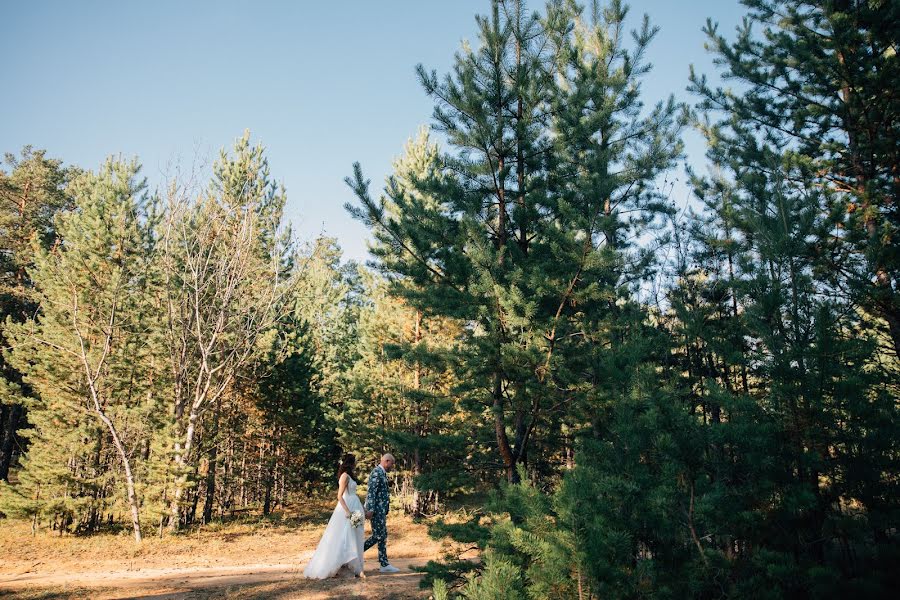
[(370, 488)]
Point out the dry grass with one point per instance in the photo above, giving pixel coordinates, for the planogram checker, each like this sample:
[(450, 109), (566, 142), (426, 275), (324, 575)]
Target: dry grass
[(251, 558)]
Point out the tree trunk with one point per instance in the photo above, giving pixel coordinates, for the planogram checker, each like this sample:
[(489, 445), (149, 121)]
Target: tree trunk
[(509, 460), (244, 475), (269, 480), (182, 454), (129, 478), (882, 297), (12, 414), (191, 515), (211, 473), (417, 384), (117, 442)]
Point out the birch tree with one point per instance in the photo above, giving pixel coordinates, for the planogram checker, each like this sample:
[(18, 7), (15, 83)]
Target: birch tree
[(224, 264)]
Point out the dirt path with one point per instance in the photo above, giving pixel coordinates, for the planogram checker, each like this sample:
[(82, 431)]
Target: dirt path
[(243, 560), (254, 581)]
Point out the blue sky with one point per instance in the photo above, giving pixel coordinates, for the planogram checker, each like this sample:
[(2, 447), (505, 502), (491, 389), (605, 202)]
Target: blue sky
[(320, 84)]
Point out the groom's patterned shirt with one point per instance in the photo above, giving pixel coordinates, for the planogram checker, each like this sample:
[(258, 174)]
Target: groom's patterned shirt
[(378, 498)]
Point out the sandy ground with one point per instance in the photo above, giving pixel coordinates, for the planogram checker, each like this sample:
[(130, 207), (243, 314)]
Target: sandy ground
[(262, 580), (248, 561)]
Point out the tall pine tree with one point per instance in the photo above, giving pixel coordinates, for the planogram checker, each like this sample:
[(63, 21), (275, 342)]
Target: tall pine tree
[(521, 226), (90, 352)]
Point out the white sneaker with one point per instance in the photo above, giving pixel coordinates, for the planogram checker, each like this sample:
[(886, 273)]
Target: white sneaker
[(389, 569)]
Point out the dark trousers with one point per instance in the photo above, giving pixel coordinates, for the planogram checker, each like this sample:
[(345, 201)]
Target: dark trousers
[(379, 536)]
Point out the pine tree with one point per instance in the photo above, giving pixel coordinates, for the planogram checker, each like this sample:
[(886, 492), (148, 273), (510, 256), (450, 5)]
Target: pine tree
[(296, 429), (30, 195), (815, 83), (400, 400), (402, 380), (327, 300), (803, 193), (520, 227), (89, 354)]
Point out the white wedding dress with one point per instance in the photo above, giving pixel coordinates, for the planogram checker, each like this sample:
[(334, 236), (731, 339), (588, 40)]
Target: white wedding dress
[(341, 544)]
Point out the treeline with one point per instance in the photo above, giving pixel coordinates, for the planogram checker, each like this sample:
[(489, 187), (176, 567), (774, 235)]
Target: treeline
[(176, 357), (165, 348), (676, 403)]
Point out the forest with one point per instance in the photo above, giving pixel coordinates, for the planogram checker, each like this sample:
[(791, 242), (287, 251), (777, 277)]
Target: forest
[(631, 397)]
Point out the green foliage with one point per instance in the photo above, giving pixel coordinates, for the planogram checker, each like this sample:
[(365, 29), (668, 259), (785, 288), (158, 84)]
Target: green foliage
[(737, 439), (30, 196), (810, 98), (440, 591), (292, 411), (520, 230), (90, 354), (500, 580), (174, 357), (719, 438), (32, 193), (400, 396)]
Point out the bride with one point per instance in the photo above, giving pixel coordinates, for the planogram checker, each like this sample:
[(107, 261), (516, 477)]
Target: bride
[(342, 542)]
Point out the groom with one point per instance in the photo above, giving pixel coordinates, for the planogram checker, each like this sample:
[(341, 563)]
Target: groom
[(378, 500)]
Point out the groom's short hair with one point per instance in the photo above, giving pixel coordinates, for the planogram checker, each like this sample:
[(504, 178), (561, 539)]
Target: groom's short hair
[(388, 456)]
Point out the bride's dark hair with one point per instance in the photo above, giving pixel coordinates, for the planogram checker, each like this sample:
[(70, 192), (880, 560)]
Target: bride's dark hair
[(348, 465)]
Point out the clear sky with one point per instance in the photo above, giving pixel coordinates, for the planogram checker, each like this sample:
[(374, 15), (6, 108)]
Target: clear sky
[(321, 84)]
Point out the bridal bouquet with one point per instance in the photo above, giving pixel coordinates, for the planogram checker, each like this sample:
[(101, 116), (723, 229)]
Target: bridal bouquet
[(356, 518)]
